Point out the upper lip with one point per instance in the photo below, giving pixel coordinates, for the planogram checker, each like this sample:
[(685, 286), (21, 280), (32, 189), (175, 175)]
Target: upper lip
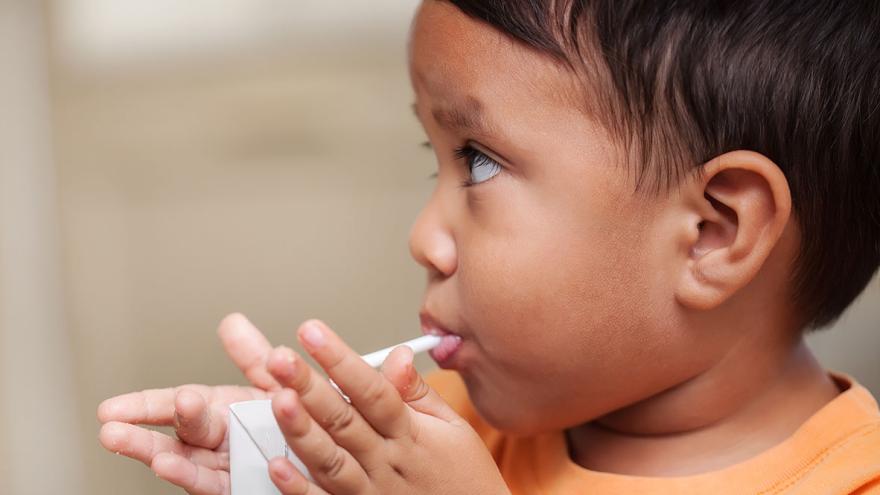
[(431, 326)]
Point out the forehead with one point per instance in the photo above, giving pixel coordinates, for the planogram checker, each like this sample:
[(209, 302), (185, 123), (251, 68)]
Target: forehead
[(453, 57)]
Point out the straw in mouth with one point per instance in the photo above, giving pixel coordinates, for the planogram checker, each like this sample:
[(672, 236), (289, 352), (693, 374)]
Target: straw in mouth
[(419, 344)]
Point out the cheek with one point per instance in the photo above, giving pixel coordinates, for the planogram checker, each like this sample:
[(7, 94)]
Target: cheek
[(535, 271), (549, 303)]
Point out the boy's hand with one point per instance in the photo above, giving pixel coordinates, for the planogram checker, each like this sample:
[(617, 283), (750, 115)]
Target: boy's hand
[(198, 461), (397, 436)]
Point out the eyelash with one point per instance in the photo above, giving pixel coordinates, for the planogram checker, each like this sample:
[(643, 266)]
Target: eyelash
[(467, 153)]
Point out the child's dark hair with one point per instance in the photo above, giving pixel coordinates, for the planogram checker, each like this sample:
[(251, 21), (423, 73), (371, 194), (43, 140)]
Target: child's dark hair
[(682, 81)]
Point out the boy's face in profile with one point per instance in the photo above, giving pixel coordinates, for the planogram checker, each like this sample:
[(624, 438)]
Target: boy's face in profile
[(555, 274)]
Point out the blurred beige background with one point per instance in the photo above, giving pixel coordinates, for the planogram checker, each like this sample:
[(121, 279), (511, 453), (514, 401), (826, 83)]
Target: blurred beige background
[(165, 163)]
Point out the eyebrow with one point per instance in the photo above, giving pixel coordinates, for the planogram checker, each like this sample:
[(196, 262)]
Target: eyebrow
[(466, 114)]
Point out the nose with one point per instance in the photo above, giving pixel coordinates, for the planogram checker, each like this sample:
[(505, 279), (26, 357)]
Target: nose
[(431, 241)]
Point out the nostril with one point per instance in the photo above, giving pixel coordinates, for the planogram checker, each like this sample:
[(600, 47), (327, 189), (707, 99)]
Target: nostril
[(435, 275)]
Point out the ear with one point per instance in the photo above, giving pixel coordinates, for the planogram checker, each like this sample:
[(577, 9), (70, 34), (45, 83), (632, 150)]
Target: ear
[(737, 209)]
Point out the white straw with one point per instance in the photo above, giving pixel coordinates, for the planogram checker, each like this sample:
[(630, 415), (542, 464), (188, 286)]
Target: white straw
[(375, 359), (420, 344)]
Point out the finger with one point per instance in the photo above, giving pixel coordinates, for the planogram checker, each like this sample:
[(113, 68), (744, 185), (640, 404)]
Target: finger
[(373, 396), (332, 466), (197, 423), (290, 481), (201, 413), (159, 407), (144, 445), (149, 407), (323, 403), (398, 369), (195, 479), (248, 348)]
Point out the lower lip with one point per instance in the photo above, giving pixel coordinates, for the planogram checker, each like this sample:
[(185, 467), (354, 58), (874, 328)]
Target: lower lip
[(444, 353)]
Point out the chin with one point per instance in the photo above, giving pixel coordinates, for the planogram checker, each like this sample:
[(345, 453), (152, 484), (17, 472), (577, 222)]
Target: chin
[(509, 416)]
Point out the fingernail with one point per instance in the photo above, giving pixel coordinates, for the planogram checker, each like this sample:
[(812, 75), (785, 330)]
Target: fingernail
[(288, 407), (282, 470), (287, 355), (313, 336)]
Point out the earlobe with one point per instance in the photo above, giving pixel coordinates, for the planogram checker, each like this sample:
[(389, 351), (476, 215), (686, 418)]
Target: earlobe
[(738, 207)]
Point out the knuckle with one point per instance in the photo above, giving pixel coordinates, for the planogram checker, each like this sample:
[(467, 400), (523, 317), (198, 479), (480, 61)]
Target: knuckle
[(304, 383), (333, 464), (420, 391), (336, 359), (303, 380), (374, 392), (399, 471), (339, 420), (397, 459)]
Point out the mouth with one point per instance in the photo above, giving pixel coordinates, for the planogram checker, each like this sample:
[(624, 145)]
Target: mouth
[(450, 342), (431, 327)]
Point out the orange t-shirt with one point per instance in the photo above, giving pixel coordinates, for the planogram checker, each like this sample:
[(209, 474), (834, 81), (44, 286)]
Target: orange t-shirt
[(836, 451)]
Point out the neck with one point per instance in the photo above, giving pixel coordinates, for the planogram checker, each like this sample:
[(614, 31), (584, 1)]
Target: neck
[(735, 410)]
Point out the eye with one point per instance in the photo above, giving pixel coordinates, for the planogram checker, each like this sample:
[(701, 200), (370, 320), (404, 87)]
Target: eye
[(480, 166)]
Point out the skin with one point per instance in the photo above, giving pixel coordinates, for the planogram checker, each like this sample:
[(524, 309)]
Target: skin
[(577, 340), (390, 438), (610, 353), (616, 317)]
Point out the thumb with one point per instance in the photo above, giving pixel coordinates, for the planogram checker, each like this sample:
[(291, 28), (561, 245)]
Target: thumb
[(399, 370), (249, 349), (194, 421)]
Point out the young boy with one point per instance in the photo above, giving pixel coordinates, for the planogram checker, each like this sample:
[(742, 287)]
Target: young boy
[(640, 209)]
